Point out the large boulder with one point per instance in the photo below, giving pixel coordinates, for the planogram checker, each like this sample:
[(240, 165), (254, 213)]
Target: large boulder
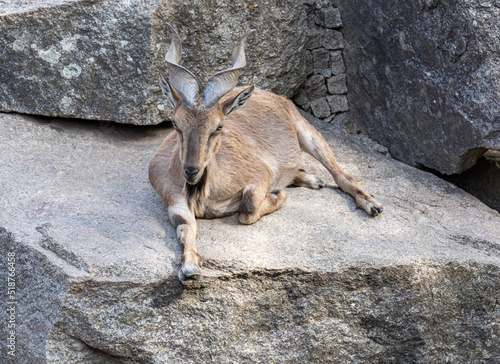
[(101, 59), (423, 77), (96, 261)]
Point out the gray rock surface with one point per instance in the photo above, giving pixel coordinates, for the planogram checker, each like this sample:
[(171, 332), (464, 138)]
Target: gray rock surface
[(328, 18), (324, 57), (423, 78), (101, 59), (337, 85), (317, 281)]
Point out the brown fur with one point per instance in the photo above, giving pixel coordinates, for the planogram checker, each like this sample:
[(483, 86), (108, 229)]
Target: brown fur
[(256, 151), (196, 194)]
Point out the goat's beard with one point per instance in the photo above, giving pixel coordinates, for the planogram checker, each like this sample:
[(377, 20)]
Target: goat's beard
[(196, 193)]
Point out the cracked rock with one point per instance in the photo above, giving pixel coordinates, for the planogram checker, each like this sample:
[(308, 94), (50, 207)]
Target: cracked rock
[(316, 281), (101, 60)]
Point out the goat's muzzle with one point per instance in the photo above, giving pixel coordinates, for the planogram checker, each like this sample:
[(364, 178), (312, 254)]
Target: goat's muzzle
[(191, 174)]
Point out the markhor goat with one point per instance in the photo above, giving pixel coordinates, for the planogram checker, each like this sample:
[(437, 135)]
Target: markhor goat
[(233, 150)]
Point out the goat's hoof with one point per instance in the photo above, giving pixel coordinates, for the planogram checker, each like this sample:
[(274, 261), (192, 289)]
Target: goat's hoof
[(376, 210), (188, 276), (371, 206), (313, 182), (374, 207)]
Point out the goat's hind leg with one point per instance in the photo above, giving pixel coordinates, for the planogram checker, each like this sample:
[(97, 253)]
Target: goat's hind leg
[(312, 142), (256, 202)]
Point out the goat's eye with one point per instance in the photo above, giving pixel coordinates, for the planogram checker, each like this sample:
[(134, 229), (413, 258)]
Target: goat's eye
[(174, 125), (217, 131)]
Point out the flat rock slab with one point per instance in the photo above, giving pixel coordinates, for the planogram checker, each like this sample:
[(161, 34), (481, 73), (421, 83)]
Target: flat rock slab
[(101, 60), (317, 281)]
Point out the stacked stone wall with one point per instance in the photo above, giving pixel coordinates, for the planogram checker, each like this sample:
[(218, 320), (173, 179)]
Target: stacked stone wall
[(324, 94)]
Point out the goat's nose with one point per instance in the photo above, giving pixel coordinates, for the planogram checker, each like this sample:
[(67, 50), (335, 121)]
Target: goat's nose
[(191, 172)]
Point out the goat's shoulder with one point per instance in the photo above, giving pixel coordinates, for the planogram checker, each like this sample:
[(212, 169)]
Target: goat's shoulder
[(165, 165)]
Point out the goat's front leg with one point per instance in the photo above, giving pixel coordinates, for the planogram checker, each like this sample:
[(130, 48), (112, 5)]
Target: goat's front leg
[(257, 202), (184, 220)]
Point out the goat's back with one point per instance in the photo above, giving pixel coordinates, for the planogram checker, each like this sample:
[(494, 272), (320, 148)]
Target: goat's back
[(267, 120), (266, 125)]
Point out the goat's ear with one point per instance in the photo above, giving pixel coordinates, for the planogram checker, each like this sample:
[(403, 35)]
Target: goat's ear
[(172, 95), (234, 103)]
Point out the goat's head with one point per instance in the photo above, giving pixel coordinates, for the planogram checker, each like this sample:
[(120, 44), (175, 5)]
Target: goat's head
[(199, 118)]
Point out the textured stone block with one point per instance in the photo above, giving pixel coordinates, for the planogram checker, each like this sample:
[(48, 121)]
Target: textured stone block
[(315, 87), (337, 62), (321, 59), (338, 103), (313, 39), (320, 107), (332, 39), (328, 18), (341, 118), (337, 84), (326, 73)]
